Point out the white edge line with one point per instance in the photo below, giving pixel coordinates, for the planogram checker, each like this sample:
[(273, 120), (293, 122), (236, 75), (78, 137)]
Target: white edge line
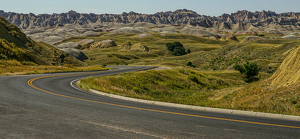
[(219, 110), (71, 83)]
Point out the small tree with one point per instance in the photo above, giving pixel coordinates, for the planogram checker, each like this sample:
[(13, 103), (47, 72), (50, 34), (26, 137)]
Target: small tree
[(250, 70), (188, 51), (176, 48), (190, 64)]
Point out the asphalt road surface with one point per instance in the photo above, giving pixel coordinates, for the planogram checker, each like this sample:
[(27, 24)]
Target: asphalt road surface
[(46, 106)]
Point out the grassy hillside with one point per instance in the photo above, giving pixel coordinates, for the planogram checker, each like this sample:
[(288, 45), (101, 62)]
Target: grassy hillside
[(268, 54), (279, 93), (156, 43), (220, 89), (259, 97), (15, 45), (212, 83), (179, 85), (206, 54)]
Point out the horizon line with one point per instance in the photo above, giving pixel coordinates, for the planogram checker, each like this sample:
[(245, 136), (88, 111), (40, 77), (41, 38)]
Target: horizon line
[(143, 13)]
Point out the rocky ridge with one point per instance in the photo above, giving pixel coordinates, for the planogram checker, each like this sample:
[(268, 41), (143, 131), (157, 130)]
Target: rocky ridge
[(53, 29), (181, 16)]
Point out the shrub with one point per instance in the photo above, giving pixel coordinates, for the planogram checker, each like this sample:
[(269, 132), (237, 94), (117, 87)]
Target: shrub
[(239, 68), (188, 51), (176, 48), (178, 51), (190, 64), (250, 70), (170, 46)]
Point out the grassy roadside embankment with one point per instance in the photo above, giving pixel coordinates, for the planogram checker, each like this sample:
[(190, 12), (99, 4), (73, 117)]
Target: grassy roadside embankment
[(14, 67), (179, 85)]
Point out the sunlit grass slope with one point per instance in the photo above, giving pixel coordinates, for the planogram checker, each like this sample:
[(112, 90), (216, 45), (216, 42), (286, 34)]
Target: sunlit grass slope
[(180, 85)]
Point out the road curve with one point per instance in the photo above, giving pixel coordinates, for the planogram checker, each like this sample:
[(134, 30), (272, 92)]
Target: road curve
[(46, 106)]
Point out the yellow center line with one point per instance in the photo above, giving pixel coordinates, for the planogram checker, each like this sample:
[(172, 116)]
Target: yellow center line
[(30, 83)]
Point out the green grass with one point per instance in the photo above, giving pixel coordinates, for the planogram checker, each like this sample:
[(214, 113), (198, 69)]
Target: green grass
[(180, 85), (157, 45), (206, 54), (221, 89), (263, 52), (212, 83), (14, 67)]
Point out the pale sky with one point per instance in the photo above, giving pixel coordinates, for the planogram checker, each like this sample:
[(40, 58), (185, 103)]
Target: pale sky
[(202, 7)]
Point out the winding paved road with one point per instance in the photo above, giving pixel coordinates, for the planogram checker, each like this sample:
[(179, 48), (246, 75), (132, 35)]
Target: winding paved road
[(46, 106)]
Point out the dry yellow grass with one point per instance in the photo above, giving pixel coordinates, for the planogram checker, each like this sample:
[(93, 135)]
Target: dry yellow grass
[(278, 94), (289, 71)]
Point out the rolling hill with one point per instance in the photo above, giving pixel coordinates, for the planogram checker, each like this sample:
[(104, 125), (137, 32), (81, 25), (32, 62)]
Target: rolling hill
[(15, 45)]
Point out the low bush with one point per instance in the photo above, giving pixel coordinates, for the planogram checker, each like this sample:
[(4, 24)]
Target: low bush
[(188, 51), (249, 70), (176, 48), (190, 64)]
